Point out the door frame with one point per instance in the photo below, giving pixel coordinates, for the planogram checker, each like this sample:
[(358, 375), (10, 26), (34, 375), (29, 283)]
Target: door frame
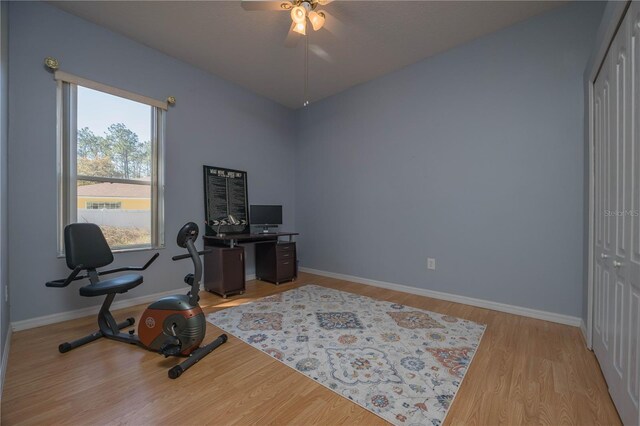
[(612, 18)]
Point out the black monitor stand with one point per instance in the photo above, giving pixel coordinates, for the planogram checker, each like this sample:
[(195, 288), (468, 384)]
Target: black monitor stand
[(265, 229)]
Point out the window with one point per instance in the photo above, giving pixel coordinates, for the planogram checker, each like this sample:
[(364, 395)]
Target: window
[(110, 163), (92, 205)]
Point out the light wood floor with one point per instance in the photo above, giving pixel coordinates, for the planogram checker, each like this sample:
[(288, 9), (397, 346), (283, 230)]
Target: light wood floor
[(526, 371)]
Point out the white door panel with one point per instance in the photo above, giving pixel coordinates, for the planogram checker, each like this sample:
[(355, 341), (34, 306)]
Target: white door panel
[(616, 131), (633, 384)]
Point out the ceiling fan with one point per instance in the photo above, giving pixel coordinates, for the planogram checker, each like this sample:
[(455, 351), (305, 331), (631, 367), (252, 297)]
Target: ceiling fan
[(300, 10)]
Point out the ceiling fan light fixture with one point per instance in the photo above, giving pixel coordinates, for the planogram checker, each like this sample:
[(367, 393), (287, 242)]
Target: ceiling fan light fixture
[(317, 20), (300, 28), (298, 14)]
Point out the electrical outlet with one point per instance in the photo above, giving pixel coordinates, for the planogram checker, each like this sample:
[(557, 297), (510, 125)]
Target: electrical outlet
[(431, 263)]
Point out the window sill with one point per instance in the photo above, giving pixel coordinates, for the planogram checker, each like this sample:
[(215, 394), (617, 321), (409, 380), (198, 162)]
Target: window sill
[(125, 250)]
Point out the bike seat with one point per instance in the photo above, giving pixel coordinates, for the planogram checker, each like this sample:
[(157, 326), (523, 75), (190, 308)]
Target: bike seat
[(120, 284)]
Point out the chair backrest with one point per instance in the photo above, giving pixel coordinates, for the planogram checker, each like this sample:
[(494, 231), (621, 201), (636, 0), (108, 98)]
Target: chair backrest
[(85, 245)]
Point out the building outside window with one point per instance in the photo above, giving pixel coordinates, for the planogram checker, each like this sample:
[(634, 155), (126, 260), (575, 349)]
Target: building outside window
[(97, 205)]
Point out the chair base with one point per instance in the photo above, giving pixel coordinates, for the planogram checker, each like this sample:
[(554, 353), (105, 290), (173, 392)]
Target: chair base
[(67, 346), (109, 329)]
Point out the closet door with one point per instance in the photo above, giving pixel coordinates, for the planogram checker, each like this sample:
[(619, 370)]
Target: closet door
[(632, 387), (617, 231)]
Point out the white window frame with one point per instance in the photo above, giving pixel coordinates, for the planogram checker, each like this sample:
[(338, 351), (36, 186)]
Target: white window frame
[(67, 176)]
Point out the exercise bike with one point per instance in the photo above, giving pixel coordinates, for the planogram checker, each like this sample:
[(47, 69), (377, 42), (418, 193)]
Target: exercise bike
[(172, 326)]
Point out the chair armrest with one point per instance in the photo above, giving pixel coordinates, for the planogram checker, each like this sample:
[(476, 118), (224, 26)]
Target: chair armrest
[(66, 281), (131, 268)]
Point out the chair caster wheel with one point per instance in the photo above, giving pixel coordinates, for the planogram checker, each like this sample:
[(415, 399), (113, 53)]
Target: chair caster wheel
[(132, 332), (175, 372), (64, 347)]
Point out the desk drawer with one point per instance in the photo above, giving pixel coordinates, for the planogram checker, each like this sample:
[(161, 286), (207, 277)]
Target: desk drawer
[(285, 247), (285, 255), (286, 270), (276, 262)]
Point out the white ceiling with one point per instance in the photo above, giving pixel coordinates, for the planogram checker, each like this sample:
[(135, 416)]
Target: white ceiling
[(361, 40)]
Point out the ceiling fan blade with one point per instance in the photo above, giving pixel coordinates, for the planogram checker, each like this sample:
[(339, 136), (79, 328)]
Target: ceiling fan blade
[(324, 2), (334, 26), (292, 38), (263, 4)]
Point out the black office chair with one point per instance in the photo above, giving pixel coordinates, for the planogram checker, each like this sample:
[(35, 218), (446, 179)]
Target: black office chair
[(86, 249)]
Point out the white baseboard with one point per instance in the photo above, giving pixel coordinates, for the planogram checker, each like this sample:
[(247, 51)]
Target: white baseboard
[(583, 329), (481, 303), (5, 360), (93, 310)]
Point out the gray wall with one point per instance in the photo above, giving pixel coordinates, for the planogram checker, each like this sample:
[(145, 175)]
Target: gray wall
[(4, 133), (473, 157), (214, 123)]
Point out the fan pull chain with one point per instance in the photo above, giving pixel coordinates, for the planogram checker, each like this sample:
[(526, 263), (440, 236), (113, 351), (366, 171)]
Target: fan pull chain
[(306, 71)]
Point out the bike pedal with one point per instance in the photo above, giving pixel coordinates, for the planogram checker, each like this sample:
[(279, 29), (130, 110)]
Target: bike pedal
[(169, 349)]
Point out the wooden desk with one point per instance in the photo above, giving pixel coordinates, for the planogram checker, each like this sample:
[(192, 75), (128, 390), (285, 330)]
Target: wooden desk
[(234, 239), (224, 266)]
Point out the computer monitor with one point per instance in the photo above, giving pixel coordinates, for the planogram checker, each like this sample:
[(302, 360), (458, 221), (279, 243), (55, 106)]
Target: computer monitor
[(265, 216)]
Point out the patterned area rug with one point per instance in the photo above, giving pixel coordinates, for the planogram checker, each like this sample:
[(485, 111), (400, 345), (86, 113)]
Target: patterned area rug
[(402, 363)]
